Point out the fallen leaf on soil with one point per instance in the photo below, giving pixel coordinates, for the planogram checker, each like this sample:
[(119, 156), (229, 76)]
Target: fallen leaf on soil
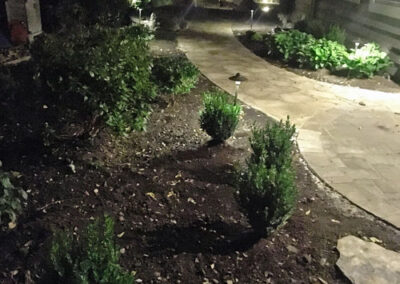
[(335, 221), (122, 251), (179, 175), (12, 225), (170, 194), (191, 200), (121, 235), (375, 240), (212, 266), (308, 212), (152, 195)]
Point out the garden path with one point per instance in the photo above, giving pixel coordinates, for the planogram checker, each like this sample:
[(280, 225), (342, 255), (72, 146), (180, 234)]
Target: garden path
[(349, 136)]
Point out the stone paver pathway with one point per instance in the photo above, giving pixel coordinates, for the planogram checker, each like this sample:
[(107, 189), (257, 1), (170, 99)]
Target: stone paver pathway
[(368, 263), (354, 148)]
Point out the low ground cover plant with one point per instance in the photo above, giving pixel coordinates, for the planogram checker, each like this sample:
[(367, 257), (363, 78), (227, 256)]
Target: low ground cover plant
[(174, 74), (92, 257), (366, 61), (266, 187), (12, 201), (99, 70), (220, 115), (305, 51)]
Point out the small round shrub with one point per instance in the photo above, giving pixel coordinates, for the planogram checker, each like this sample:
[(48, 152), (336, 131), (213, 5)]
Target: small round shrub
[(220, 117), (174, 74)]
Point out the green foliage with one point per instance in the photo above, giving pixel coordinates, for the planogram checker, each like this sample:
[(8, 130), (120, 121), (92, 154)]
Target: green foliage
[(11, 201), (219, 117), (321, 53), (174, 74), (336, 33), (288, 43), (90, 12), (267, 191), (99, 70), (366, 61), (257, 37), (91, 258)]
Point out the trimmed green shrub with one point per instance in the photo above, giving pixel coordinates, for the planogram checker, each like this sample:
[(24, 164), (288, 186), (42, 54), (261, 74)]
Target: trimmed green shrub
[(99, 70), (11, 201), (174, 74), (366, 61), (90, 258), (336, 33), (266, 188), (321, 53), (220, 117)]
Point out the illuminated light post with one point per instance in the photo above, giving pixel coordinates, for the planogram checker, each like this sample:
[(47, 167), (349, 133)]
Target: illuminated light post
[(251, 19), (140, 15), (195, 3), (357, 44), (237, 79)]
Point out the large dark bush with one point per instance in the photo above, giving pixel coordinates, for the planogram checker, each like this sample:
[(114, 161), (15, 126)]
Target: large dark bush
[(174, 74), (219, 117), (99, 70), (266, 188), (92, 257)]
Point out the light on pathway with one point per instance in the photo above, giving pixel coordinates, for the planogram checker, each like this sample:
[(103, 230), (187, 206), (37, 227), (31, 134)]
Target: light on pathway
[(237, 79), (251, 19)]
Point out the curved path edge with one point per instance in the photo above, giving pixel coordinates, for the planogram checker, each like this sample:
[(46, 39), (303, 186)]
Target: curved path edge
[(352, 147)]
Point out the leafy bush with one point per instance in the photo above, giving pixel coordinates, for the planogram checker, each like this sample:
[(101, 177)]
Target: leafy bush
[(219, 117), (366, 61), (336, 33), (304, 50), (174, 74), (257, 37), (99, 70), (267, 191), (288, 43), (92, 258), (11, 201), (321, 53)]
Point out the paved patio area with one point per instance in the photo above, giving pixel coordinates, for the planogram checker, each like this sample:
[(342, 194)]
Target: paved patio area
[(354, 147)]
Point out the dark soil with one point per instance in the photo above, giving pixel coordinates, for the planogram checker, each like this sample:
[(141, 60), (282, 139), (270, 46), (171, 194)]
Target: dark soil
[(377, 83), (172, 195)]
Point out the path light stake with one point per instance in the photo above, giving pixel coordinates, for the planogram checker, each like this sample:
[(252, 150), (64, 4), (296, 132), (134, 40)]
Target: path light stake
[(251, 19), (140, 15), (237, 79)]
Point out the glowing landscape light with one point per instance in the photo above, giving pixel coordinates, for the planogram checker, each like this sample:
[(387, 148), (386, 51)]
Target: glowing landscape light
[(238, 79), (266, 9)]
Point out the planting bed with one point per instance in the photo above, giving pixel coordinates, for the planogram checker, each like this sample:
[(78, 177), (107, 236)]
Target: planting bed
[(172, 196), (378, 83)]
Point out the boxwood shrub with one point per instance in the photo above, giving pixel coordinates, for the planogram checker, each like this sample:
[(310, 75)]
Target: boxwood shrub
[(220, 116), (99, 70), (266, 187)]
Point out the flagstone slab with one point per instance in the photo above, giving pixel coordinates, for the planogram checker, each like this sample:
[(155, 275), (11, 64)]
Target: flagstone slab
[(367, 263)]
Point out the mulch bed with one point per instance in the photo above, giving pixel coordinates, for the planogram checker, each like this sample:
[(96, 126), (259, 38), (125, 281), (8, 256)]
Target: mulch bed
[(173, 197)]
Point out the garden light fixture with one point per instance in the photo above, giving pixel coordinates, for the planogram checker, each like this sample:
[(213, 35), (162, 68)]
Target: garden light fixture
[(237, 79), (140, 15), (251, 20)]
